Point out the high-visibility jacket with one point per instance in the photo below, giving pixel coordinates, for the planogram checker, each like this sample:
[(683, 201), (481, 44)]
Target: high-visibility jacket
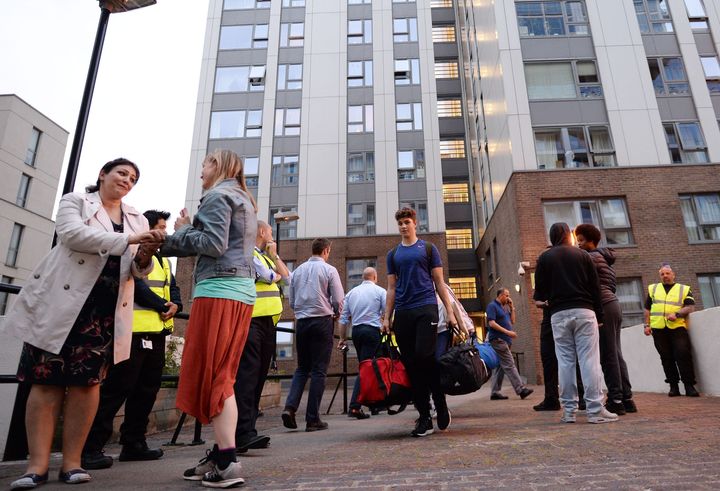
[(667, 303), (269, 296), (146, 319)]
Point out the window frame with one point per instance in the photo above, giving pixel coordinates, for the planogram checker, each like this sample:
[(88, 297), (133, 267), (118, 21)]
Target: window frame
[(242, 80), (23, 190), (667, 83), (712, 80), (568, 24), (446, 70), (581, 206), (456, 192), (367, 222), (13, 250), (282, 127), (33, 146), (418, 169), (449, 108), (459, 238), (459, 285), (450, 149), (583, 90), (281, 174), (287, 230), (412, 123), (408, 32), (248, 130), (284, 74), (365, 77), (293, 3), (713, 283), (698, 230), (367, 174), (5, 296), (366, 122), (365, 262), (251, 170), (289, 38), (257, 4), (594, 156), (666, 21), (257, 38), (678, 153), (631, 316), (363, 36), (411, 76), (444, 33)]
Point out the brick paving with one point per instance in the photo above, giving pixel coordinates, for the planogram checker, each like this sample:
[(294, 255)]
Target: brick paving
[(669, 444)]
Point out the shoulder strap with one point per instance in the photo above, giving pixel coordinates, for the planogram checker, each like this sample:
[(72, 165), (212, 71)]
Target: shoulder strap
[(428, 253), (392, 257)]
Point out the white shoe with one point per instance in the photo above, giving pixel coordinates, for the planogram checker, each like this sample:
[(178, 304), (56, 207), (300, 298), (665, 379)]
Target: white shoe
[(228, 478), (602, 416), (568, 417)]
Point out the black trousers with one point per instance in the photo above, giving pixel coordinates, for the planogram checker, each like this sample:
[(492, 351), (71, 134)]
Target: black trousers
[(134, 382), (610, 351), (252, 373), (675, 351), (416, 335), (550, 363)]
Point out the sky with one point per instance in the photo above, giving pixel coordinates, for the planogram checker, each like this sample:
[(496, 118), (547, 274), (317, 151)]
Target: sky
[(145, 96)]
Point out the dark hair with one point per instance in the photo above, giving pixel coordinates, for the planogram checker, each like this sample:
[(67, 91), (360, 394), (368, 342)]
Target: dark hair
[(110, 166), (154, 216), (500, 291), (405, 213), (589, 231), (319, 245)]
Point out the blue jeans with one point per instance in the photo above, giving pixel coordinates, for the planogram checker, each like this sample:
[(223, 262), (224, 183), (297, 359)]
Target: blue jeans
[(443, 343), (314, 347), (366, 340), (577, 340)]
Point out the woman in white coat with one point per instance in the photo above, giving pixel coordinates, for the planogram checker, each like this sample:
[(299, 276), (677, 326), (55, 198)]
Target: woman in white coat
[(75, 315)]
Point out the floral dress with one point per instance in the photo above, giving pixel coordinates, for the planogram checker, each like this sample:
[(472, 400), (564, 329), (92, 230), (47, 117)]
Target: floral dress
[(87, 351)]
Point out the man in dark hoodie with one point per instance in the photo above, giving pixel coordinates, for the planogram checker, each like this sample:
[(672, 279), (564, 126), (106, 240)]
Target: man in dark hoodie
[(566, 280), (619, 399)]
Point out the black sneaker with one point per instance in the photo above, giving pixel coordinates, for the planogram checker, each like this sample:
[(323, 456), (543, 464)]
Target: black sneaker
[(316, 426), (96, 460), (227, 478), (29, 481), (615, 407), (206, 464), (423, 427), (288, 419), (674, 390), (525, 393), (630, 406), (254, 442), (444, 418), (690, 391), (497, 397), (546, 405), (139, 451)]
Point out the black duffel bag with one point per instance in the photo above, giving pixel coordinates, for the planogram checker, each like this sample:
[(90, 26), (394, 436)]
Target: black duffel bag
[(462, 371)]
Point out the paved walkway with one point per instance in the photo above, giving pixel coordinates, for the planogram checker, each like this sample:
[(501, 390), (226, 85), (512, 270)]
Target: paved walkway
[(669, 444)]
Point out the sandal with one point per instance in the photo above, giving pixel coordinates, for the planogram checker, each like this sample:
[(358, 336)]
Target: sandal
[(29, 481), (75, 476)]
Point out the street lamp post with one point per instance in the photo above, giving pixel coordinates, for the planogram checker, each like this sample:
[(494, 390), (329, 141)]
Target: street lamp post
[(283, 217), (107, 7)]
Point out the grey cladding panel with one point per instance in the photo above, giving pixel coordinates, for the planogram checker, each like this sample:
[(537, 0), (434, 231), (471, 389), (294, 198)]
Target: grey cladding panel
[(463, 262), (290, 55), (410, 140), (679, 108), (408, 93), (288, 98), (361, 193), (286, 145), (445, 50), (241, 146), (704, 43), (455, 169), (412, 190), (568, 112), (443, 16), (406, 50), (359, 11), (242, 57), (238, 100), (244, 17), (403, 10), (452, 127), (560, 48), (359, 52), (458, 212), (283, 195), (360, 95), (361, 143), (292, 15), (448, 87), (716, 104), (661, 45)]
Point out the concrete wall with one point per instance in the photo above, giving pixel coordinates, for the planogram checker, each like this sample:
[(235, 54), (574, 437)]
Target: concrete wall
[(643, 361)]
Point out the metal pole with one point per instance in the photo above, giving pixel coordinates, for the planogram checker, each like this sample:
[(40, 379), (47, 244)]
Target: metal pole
[(79, 135), (277, 237)]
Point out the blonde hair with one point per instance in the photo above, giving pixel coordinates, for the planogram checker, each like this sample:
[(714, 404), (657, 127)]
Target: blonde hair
[(230, 165)]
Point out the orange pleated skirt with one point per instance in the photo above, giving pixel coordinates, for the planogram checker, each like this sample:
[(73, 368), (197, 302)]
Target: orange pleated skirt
[(214, 341)]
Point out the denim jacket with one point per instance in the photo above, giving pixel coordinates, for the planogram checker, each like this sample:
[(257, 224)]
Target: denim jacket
[(222, 234)]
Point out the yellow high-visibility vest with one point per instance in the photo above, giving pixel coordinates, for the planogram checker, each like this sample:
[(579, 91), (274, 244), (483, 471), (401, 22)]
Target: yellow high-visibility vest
[(667, 303), (146, 319), (269, 297)]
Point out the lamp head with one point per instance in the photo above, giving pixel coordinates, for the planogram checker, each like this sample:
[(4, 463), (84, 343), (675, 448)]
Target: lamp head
[(115, 6)]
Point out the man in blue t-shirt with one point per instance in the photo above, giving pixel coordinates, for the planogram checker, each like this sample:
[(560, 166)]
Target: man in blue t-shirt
[(500, 317), (414, 273)]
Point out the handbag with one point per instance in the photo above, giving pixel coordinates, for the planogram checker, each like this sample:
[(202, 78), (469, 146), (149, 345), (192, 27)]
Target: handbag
[(488, 354), (383, 379), (462, 371)]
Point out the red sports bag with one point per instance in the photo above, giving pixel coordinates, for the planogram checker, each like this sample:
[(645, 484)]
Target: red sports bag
[(383, 379)]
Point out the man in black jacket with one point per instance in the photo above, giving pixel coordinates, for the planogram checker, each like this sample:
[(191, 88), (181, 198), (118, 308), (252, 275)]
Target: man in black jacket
[(136, 381), (566, 281)]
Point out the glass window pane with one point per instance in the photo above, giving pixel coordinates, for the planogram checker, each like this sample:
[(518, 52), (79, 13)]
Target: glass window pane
[(575, 12), (236, 37), (550, 81), (613, 213), (690, 136), (552, 8), (405, 160), (227, 124), (549, 149), (600, 139), (555, 26), (587, 72), (559, 212), (710, 66), (708, 208), (674, 69), (695, 8)]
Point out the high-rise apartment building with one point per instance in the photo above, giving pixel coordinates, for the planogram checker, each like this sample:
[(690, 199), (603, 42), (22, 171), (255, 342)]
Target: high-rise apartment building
[(602, 112), (344, 110)]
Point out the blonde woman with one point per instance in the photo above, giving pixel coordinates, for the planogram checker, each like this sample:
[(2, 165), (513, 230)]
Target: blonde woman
[(222, 236), (75, 316)]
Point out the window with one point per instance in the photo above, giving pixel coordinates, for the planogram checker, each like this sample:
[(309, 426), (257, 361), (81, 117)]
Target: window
[(251, 167), (653, 16), (701, 213), (443, 34), (608, 214), (456, 193), (292, 34), (411, 165), (358, 2), (288, 230), (464, 288), (489, 269), (361, 219), (359, 31), (22, 195), (696, 14), (287, 121), (360, 119), (668, 76), (420, 208), (246, 4), (575, 146), (235, 124), (284, 341), (354, 270), (4, 295), (405, 30), (361, 167), (631, 296), (446, 69), (686, 143), (31, 152), (403, 1), (14, 246), (293, 3), (449, 108), (566, 18), (712, 73), (563, 80), (407, 72), (244, 37), (440, 3), (459, 238), (709, 290), (360, 73), (452, 149), (240, 79), (290, 77), (409, 116), (284, 170)]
